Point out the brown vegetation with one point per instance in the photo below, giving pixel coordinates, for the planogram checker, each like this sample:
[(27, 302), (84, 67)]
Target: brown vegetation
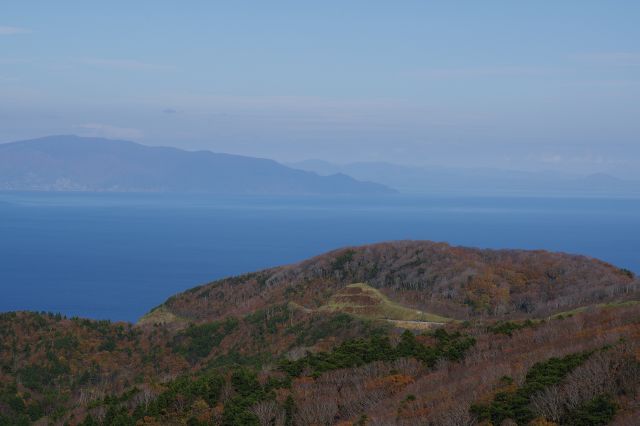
[(432, 277), (263, 348)]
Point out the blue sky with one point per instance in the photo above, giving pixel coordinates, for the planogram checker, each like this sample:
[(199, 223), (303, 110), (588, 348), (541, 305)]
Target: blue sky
[(538, 85)]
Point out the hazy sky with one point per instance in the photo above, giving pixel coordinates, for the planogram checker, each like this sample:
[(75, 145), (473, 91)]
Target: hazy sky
[(513, 84)]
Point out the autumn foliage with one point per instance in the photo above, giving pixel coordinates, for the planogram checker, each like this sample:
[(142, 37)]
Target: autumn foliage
[(534, 338)]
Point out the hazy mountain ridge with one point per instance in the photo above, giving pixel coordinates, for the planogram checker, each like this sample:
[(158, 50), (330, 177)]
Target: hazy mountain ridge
[(301, 344), (72, 163), (478, 181)]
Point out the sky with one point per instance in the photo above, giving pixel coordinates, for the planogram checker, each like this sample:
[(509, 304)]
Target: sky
[(537, 85)]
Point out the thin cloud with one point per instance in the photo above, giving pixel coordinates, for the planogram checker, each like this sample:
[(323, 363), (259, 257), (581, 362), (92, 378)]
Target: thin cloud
[(611, 83), (7, 30), (8, 78), (499, 71), (588, 159), (9, 61), (108, 131), (124, 64), (297, 103), (615, 59)]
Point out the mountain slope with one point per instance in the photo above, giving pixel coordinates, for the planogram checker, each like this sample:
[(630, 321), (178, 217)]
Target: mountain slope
[(312, 344), (74, 163), (455, 282)]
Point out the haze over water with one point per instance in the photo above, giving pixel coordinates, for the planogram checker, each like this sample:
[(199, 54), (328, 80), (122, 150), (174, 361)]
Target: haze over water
[(115, 256)]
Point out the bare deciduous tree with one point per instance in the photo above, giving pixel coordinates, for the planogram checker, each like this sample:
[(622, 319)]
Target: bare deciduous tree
[(549, 403), (268, 413), (316, 410)]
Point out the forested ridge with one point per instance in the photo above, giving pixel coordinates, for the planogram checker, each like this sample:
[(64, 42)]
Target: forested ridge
[(526, 337)]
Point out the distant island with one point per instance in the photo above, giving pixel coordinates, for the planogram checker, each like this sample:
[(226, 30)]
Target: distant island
[(73, 163)]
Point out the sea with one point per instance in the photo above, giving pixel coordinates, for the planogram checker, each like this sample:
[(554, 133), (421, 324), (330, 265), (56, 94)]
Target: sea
[(116, 256)]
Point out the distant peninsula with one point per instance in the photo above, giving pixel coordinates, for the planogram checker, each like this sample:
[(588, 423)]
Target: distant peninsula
[(74, 163)]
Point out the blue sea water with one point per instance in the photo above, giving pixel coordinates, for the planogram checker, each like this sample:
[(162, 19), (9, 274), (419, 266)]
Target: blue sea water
[(115, 256)]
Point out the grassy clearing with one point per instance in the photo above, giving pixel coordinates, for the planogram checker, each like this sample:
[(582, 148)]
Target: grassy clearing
[(161, 315), (415, 325), (367, 302)]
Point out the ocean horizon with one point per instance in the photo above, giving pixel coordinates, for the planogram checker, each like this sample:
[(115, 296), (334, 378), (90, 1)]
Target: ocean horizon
[(116, 256)]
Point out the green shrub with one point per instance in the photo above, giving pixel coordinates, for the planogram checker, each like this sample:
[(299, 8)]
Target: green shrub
[(598, 411), (321, 327), (627, 272), (38, 377), (108, 345), (67, 342), (508, 327), (358, 352), (197, 341), (268, 321), (515, 404), (341, 261)]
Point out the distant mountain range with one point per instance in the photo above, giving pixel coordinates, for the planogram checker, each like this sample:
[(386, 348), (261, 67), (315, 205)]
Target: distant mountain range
[(480, 181), (72, 163)]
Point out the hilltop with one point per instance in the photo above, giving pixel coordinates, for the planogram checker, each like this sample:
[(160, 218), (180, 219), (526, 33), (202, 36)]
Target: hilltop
[(398, 333), (73, 163), (458, 282)]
